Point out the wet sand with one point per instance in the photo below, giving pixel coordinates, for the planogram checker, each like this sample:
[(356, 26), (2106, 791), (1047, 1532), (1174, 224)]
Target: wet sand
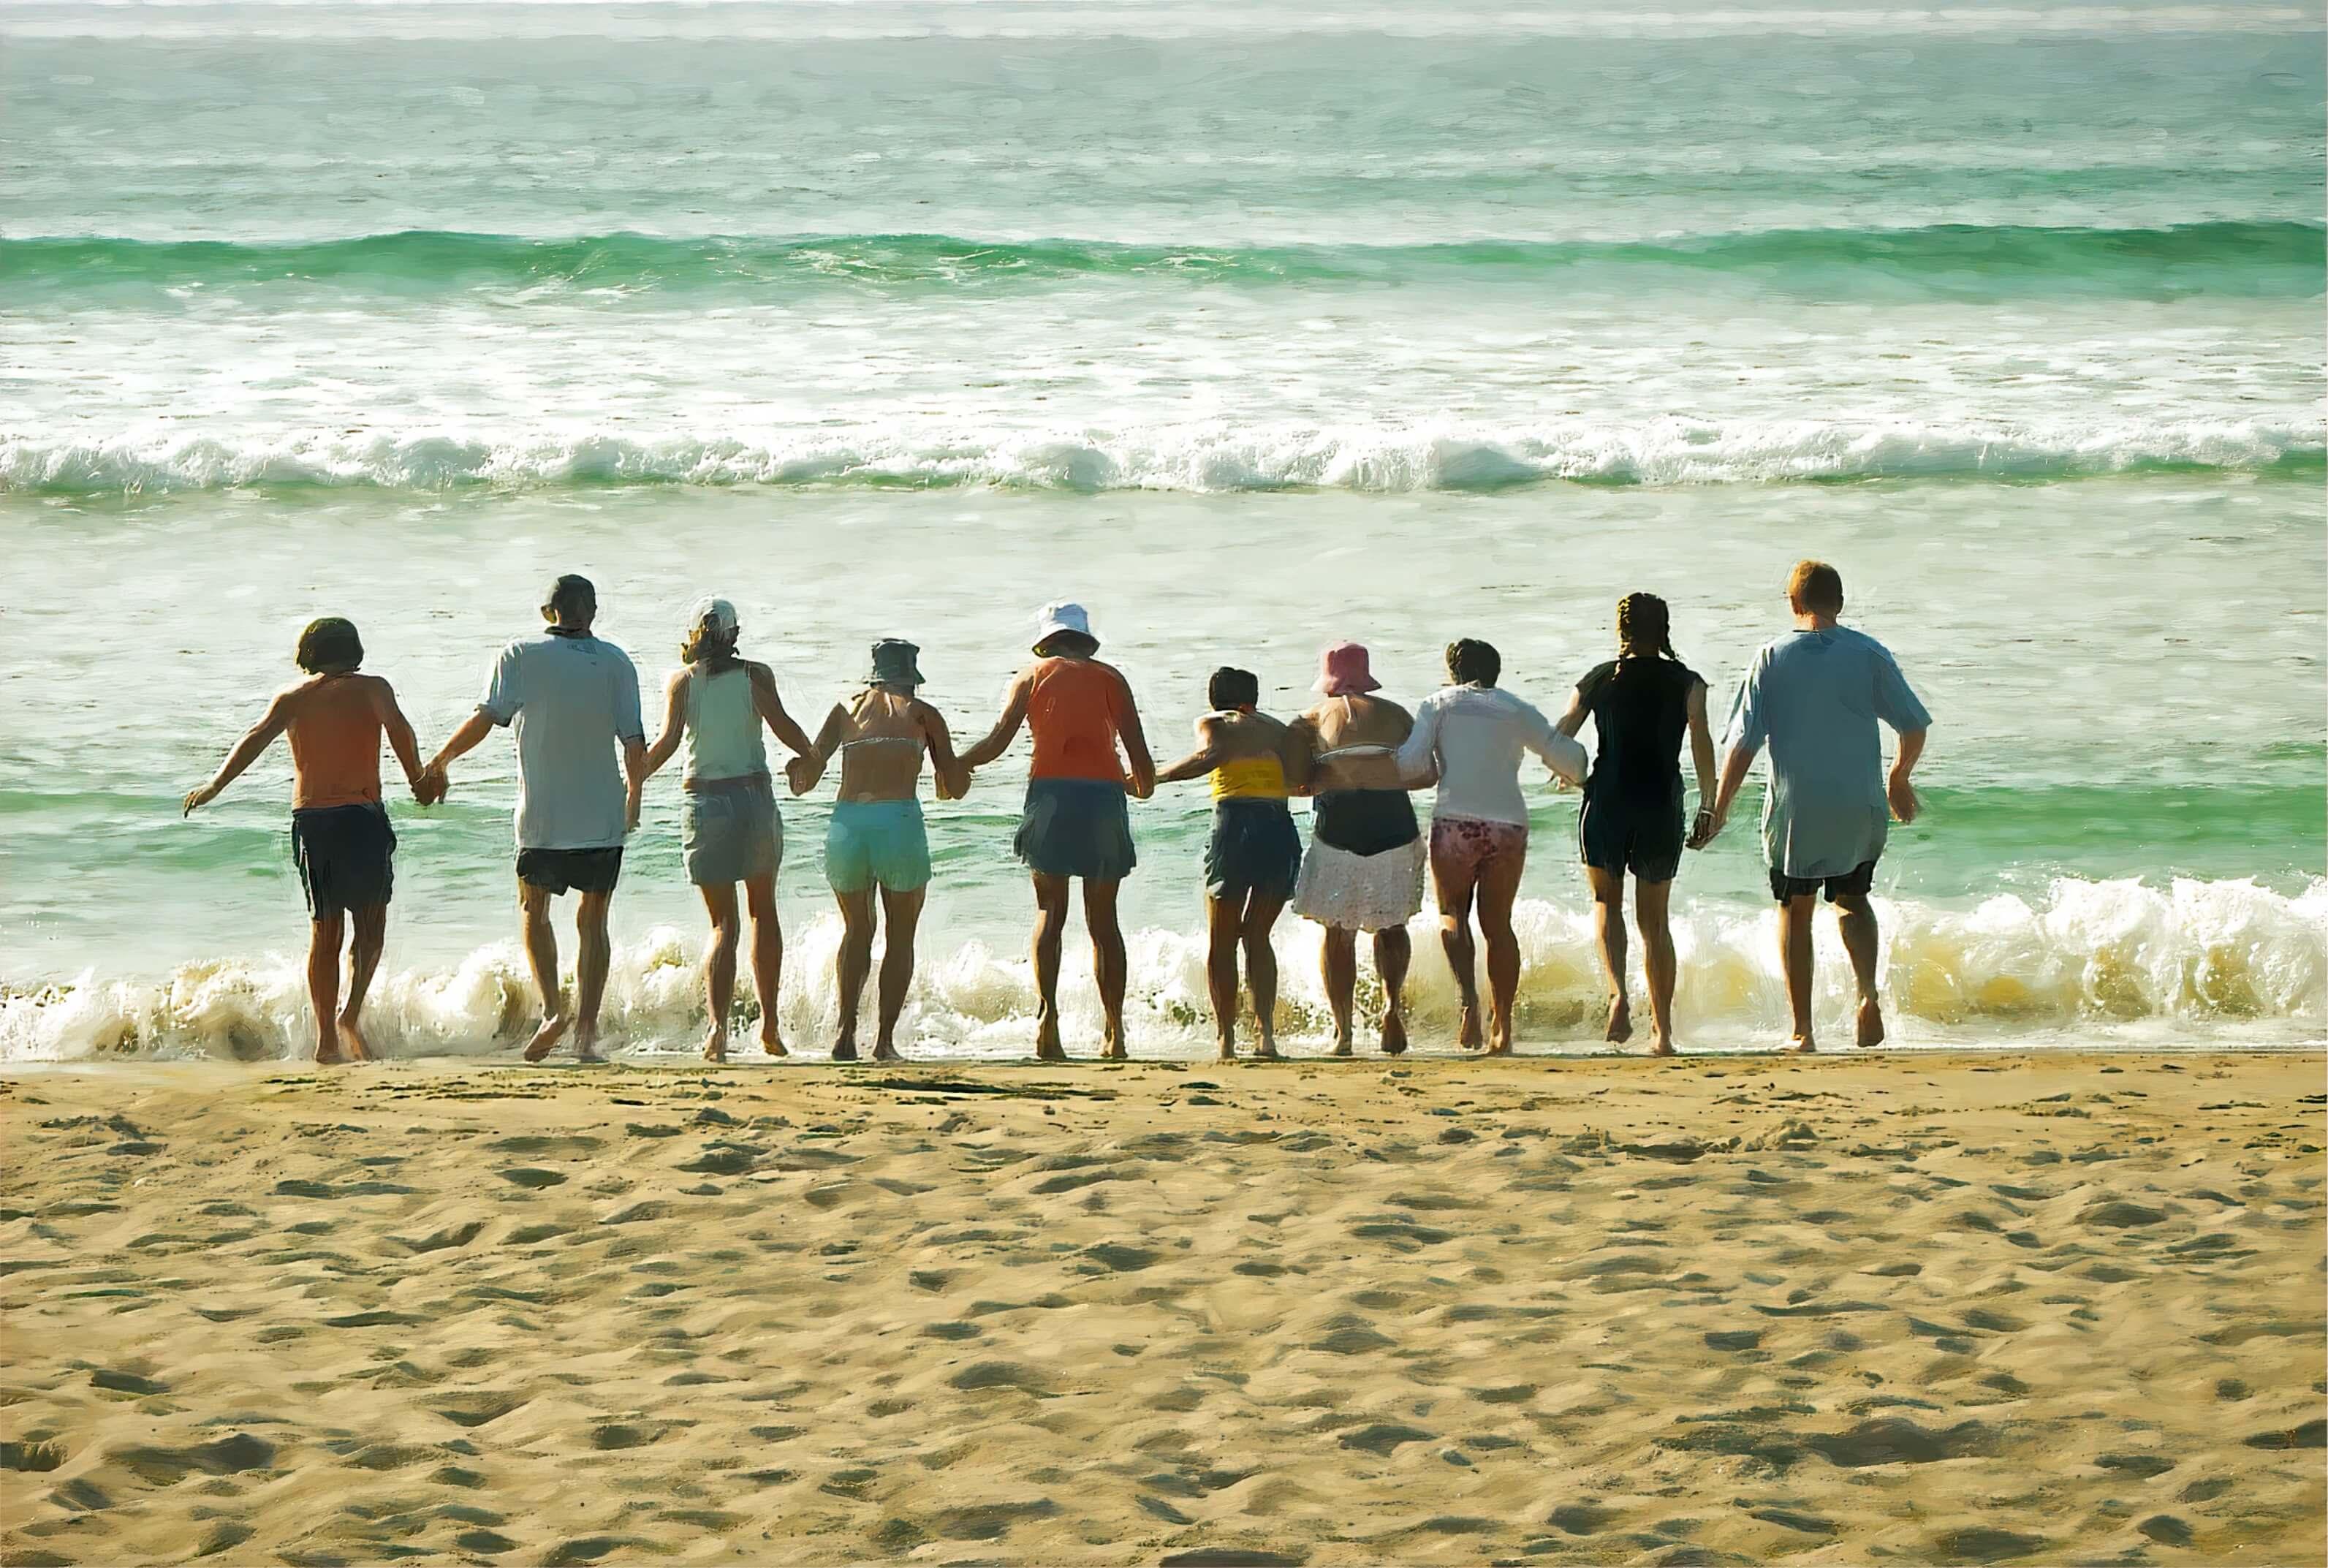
[(1915, 1308)]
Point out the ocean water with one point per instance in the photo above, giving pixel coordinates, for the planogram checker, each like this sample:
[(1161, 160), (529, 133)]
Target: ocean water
[(1253, 328)]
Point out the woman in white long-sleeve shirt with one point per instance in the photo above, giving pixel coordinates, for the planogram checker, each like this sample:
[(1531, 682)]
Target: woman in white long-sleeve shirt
[(1472, 737)]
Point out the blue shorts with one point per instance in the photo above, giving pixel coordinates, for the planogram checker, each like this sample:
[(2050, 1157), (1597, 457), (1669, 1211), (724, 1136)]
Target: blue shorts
[(1076, 827), (1255, 849), (881, 843)]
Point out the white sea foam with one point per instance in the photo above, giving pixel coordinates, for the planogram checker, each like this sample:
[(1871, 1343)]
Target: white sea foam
[(2215, 962), (1202, 457)]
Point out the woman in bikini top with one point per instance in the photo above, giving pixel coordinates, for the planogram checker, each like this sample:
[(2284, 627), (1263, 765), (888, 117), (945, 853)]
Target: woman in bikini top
[(1362, 807)]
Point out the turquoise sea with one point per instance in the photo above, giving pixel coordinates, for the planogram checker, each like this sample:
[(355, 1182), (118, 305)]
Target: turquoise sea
[(1252, 327)]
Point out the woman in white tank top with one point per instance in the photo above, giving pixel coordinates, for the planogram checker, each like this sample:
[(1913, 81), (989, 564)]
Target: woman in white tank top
[(714, 705)]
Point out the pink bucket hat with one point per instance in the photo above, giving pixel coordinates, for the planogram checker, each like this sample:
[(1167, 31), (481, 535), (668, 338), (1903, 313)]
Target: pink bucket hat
[(1342, 671)]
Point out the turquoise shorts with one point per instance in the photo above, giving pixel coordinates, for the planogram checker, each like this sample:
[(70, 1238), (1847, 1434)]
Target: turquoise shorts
[(881, 843)]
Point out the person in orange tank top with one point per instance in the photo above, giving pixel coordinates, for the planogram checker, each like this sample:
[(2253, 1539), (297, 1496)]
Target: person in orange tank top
[(341, 840), (1075, 825)]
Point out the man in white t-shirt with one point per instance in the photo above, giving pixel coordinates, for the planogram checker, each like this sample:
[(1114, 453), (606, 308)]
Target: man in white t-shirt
[(1472, 737), (572, 699)]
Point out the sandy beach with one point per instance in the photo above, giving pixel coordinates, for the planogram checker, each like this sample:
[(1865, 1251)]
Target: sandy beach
[(1907, 1308)]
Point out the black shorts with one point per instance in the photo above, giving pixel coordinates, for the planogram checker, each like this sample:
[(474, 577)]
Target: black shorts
[(346, 856), (1855, 883), (580, 870), (1620, 835), (1255, 849)]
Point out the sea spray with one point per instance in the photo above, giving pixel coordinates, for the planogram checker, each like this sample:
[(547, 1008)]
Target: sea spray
[(2201, 959)]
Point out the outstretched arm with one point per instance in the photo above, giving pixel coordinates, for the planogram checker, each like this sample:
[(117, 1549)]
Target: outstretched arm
[(772, 709), (402, 742), (459, 744), (804, 772), (952, 780), (1572, 723), (248, 750), (674, 730), (1142, 782), (1006, 727), (1734, 769), (1199, 762)]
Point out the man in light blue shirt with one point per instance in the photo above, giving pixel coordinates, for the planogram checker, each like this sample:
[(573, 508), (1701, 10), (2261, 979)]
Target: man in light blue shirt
[(1813, 698), (572, 699)]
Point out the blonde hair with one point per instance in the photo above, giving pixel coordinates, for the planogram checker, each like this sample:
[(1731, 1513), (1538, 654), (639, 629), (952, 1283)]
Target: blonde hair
[(705, 643)]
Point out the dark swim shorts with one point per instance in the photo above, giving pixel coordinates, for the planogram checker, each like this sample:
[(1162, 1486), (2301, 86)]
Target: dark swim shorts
[(1255, 850), (581, 870), (346, 856), (1854, 884), (1076, 827), (1619, 835)]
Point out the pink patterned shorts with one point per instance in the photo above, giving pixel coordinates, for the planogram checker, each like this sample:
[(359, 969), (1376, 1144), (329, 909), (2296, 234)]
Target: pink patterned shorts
[(1462, 847)]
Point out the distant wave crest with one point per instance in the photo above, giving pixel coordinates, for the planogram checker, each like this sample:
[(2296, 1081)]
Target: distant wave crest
[(2279, 258), (2203, 959), (1370, 457)]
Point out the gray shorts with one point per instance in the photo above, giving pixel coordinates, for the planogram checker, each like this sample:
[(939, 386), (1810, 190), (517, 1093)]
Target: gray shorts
[(731, 829)]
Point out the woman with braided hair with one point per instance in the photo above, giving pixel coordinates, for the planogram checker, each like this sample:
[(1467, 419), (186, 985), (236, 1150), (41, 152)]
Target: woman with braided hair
[(1639, 703)]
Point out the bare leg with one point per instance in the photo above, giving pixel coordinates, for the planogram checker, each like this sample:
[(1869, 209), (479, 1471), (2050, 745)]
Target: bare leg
[(371, 923), (1338, 965), (720, 966), (1452, 882), (1261, 968), (1499, 889), (854, 963), (324, 934), (767, 958), (1856, 918), (1393, 949), (1050, 928), (1609, 928), (1224, 919), (901, 916), (1795, 960), (541, 957), (594, 956), (1108, 958), (1651, 901)]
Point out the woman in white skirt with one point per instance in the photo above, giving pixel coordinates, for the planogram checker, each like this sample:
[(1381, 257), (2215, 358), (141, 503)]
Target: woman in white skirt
[(1363, 871)]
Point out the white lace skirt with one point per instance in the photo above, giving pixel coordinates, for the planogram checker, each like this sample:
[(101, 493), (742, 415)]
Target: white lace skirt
[(1361, 892)]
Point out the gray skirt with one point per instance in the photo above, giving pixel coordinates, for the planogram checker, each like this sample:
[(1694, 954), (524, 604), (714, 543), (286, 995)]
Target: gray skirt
[(731, 829)]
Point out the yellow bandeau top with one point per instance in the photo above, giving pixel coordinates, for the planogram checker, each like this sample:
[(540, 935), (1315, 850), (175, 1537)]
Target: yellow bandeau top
[(1250, 778)]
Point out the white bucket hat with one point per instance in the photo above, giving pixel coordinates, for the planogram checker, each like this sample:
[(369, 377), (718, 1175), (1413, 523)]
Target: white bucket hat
[(1061, 615)]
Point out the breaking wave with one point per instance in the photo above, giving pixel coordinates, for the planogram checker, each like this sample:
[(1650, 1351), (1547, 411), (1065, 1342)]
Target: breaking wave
[(1378, 457), (2195, 963)]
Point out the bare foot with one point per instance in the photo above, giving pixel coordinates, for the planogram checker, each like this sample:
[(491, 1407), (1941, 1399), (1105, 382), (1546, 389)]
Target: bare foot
[(1394, 1035), (844, 1050), (327, 1050), (770, 1041), (1046, 1042), (715, 1046), (883, 1051), (1224, 1051), (1467, 1030), (1620, 1021), (1870, 1022), (545, 1038), (1662, 1046), (585, 1042), (1267, 1050), (351, 1041), (1113, 1051), (1342, 1047), (1803, 1045)]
